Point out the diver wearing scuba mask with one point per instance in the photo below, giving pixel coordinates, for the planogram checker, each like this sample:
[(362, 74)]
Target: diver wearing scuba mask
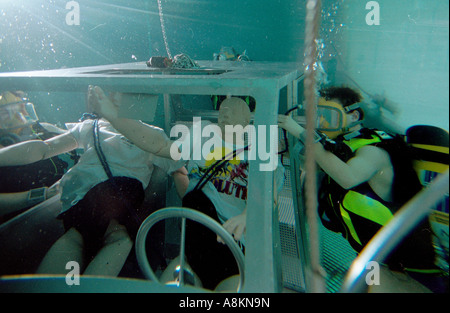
[(19, 121), (368, 176), (337, 113), (16, 113), (333, 118), (21, 187)]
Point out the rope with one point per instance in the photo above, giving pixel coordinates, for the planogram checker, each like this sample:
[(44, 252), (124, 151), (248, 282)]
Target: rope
[(179, 60), (183, 61), (313, 10), (163, 29)]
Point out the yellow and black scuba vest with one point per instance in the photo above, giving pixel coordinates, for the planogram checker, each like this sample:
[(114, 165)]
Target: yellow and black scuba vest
[(359, 213)]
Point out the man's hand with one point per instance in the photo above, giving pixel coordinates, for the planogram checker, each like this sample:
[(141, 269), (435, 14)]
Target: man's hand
[(235, 226), (287, 122), (101, 104)]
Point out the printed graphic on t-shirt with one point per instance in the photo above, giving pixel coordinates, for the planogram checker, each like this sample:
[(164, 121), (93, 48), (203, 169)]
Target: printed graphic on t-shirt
[(231, 179)]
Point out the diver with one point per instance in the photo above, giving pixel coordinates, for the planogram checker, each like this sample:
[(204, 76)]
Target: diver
[(22, 187), (367, 176), (101, 196)]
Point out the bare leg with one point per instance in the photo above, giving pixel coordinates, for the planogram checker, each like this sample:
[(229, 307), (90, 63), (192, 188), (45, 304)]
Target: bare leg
[(67, 248), (111, 258)]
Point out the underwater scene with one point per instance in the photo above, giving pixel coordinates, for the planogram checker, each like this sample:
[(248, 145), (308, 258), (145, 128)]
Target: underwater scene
[(164, 146)]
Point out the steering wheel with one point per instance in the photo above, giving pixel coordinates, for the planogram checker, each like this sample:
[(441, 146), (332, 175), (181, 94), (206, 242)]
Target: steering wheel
[(193, 215)]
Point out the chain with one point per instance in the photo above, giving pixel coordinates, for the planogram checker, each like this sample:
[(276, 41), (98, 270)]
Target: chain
[(163, 28)]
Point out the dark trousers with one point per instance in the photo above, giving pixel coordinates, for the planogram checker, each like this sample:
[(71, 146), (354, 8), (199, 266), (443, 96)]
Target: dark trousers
[(117, 198), (210, 260)]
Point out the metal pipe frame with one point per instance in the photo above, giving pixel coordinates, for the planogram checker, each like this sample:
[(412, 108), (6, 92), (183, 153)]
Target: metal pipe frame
[(260, 80), (391, 234)]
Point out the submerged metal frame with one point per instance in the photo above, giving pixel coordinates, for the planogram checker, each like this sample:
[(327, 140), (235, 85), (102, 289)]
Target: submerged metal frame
[(260, 80), (391, 235)]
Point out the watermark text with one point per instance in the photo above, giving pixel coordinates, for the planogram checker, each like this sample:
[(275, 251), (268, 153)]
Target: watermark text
[(73, 16), (198, 141), (73, 276), (373, 276), (373, 17)]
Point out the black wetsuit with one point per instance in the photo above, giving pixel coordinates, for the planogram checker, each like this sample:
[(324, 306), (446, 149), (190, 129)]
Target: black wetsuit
[(21, 178)]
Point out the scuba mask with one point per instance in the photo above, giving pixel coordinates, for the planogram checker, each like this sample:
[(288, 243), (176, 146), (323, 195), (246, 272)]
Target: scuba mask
[(332, 117), (15, 113)]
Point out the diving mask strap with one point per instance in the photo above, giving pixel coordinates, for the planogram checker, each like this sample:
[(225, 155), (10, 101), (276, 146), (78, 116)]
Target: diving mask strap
[(352, 135), (347, 129), (351, 107)]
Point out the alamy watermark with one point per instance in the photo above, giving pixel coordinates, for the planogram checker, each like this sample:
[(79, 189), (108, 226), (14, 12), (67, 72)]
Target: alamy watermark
[(73, 16), (197, 142), (373, 17), (73, 276), (373, 276)]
